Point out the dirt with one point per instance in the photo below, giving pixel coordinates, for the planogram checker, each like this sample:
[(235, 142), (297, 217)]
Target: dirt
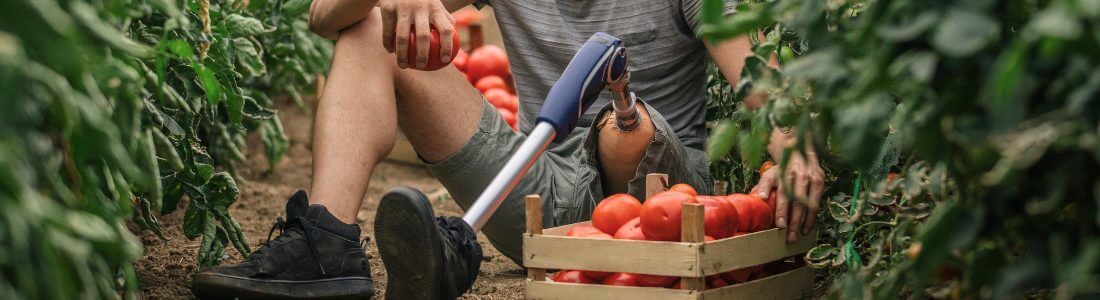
[(168, 266)]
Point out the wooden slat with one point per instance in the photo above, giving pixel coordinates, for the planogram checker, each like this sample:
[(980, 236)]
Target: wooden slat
[(534, 226), (751, 249), (561, 230), (692, 231), (655, 183), (646, 257), (571, 291), (794, 284)]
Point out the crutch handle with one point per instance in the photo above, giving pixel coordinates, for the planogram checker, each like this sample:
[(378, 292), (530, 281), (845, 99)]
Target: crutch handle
[(581, 83)]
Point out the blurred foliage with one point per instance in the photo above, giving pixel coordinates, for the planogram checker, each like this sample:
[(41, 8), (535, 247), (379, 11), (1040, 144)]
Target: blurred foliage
[(120, 108), (987, 110)]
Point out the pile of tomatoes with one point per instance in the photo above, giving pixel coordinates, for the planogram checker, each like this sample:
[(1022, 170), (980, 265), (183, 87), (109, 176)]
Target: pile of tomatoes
[(622, 216), (486, 67)]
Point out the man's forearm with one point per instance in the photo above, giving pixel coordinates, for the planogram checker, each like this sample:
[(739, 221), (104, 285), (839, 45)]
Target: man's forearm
[(328, 17)]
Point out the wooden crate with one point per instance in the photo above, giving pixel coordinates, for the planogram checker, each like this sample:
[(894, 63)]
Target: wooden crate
[(692, 259)]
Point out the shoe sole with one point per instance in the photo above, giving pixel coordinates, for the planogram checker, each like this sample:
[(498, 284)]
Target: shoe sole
[(220, 286), (410, 245)]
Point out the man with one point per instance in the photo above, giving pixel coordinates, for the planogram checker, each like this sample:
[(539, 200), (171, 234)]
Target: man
[(372, 92)]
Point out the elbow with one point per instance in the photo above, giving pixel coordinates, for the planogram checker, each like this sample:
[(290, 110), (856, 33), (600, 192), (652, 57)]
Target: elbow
[(315, 24)]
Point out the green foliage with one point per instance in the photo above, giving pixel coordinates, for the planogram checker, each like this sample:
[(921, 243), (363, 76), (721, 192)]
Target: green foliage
[(120, 108), (987, 109)]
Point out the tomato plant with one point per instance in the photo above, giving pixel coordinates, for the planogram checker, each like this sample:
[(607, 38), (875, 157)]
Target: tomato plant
[(986, 110), (120, 109)]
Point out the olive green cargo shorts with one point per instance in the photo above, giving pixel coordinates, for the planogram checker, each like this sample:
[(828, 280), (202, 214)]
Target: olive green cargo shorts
[(566, 176)]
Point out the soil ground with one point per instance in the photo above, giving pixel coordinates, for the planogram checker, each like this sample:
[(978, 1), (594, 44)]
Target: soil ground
[(168, 266)]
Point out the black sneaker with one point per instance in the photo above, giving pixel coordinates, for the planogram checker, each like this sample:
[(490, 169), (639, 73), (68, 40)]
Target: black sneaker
[(315, 256), (425, 257)]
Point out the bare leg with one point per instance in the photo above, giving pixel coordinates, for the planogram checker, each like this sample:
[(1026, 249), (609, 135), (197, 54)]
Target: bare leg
[(620, 152), (357, 118)]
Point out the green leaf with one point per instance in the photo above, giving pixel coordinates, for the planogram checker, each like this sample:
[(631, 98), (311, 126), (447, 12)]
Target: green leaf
[(722, 140), (210, 84), (735, 25), (838, 212), (296, 7), (86, 14), (861, 130), (249, 57), (239, 26), (963, 33), (193, 220), (221, 191), (908, 29), (204, 172), (821, 256), (179, 48), (254, 111), (1056, 22), (275, 142)]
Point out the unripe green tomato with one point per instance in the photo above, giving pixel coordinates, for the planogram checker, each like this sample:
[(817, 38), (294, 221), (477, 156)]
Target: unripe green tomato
[(786, 54)]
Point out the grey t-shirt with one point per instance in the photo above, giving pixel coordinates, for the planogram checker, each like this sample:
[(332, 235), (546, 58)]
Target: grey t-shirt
[(667, 60)]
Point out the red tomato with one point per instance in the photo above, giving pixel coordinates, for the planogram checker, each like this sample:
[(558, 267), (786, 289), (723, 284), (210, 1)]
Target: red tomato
[(715, 281), (767, 165), (757, 273), (497, 97), (765, 218), (581, 230), (460, 62), (614, 211), (655, 280), (621, 279), (508, 116), (570, 276), (512, 104), (746, 211), (465, 17), (737, 276), (660, 217), (773, 196), (891, 177), (487, 60), (683, 187), (491, 82), (719, 218), (433, 50), (632, 230)]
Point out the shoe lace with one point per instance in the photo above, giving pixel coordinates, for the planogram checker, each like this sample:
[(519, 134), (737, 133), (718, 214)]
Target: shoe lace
[(310, 229)]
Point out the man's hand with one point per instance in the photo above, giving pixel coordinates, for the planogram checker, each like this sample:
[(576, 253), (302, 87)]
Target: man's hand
[(803, 174), (399, 15)]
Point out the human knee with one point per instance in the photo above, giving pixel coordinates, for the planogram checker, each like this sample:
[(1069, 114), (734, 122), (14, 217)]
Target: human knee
[(626, 148), (365, 37)]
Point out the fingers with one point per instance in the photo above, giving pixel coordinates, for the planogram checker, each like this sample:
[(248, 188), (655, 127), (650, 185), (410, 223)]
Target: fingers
[(766, 184), (782, 207), (401, 38), (817, 186), (444, 23), (423, 38), (798, 211), (389, 18)]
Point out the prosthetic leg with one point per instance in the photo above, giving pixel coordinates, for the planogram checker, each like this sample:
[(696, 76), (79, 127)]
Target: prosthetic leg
[(428, 257)]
